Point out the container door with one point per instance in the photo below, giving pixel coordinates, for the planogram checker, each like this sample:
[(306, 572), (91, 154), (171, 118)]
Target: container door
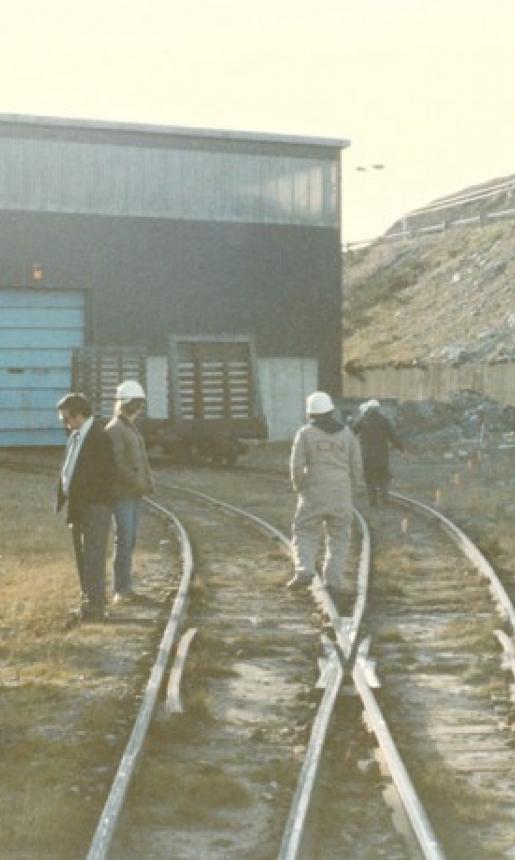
[(214, 380), (97, 372), (39, 329)]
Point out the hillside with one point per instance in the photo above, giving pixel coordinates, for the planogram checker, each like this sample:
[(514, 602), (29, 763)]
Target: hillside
[(445, 297)]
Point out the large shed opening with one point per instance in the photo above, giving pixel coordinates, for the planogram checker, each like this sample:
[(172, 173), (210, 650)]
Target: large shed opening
[(38, 331)]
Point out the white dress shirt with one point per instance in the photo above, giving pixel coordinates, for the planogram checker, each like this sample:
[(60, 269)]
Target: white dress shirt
[(73, 447)]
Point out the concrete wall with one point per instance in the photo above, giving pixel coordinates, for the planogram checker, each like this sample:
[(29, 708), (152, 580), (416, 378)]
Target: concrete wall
[(437, 382), (285, 383)]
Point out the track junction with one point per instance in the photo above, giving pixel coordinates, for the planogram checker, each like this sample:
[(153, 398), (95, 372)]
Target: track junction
[(445, 720)]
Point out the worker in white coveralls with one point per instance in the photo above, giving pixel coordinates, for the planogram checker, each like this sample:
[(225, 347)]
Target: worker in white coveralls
[(325, 459)]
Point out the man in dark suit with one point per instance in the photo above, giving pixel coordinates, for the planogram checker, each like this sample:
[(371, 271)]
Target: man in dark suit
[(86, 486)]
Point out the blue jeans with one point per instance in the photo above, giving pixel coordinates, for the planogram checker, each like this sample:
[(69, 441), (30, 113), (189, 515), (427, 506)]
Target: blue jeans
[(126, 517)]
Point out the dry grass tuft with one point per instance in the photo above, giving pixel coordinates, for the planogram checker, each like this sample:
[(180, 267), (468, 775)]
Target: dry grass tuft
[(447, 791), (66, 702), (184, 792)]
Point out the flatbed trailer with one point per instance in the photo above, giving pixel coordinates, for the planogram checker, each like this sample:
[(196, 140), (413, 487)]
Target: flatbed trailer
[(203, 398)]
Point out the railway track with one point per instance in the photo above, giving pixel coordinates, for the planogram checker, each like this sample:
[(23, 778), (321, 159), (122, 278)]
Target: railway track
[(247, 614), (444, 695), (254, 833), (295, 841), (435, 622), (446, 692)]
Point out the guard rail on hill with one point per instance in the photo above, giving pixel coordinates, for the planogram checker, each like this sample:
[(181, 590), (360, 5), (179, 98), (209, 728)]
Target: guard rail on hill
[(444, 205)]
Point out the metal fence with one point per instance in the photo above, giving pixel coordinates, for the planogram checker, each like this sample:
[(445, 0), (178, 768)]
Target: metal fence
[(445, 205)]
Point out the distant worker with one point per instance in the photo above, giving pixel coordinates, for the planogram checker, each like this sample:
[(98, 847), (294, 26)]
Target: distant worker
[(133, 480), (85, 486), (325, 457), (376, 434)]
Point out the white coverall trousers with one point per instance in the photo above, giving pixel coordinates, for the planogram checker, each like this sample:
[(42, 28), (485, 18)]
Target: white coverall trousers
[(313, 518)]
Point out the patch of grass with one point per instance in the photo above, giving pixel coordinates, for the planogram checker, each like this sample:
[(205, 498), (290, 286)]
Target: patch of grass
[(455, 797), (391, 635), (479, 673), (379, 286), (198, 705), (283, 771), (54, 777), (475, 637), (64, 715), (491, 688), (191, 792)]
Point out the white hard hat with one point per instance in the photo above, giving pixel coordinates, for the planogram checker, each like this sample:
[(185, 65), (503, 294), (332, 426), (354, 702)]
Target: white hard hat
[(373, 404), (318, 403), (130, 390)]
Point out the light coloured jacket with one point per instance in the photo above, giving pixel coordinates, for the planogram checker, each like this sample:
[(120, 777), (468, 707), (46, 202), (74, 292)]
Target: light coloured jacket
[(325, 464), (133, 474)]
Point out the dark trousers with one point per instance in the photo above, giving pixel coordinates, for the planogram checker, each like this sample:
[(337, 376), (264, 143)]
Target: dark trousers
[(90, 535), (377, 479)]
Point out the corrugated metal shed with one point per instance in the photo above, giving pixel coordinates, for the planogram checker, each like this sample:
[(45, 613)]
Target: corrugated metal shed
[(150, 171), (172, 231), (189, 135)]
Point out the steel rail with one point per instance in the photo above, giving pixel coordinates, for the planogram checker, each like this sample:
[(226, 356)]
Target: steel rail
[(346, 639), (422, 828), (291, 843), (416, 814), (261, 524), (419, 821), (173, 703), (296, 822), (110, 816), (470, 550)]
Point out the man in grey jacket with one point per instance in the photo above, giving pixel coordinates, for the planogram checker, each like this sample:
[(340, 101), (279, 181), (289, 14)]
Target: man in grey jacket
[(133, 479), (325, 459)]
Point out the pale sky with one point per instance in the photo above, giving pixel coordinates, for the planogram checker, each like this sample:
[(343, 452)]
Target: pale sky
[(426, 87)]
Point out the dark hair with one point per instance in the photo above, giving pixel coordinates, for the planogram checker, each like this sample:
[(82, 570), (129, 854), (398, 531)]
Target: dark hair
[(130, 407), (76, 404)]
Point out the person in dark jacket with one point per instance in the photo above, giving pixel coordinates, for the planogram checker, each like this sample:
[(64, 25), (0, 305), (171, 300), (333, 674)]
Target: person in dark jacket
[(376, 435), (86, 489)]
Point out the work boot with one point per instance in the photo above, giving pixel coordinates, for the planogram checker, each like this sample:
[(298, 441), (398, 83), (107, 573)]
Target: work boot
[(85, 615), (121, 597), (94, 614)]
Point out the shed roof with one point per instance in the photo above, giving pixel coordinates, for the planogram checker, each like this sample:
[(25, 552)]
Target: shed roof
[(172, 132)]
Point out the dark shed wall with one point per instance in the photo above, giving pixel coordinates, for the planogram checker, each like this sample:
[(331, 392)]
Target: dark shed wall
[(152, 277)]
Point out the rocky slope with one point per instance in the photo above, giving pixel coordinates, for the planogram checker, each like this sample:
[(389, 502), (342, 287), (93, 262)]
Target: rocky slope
[(446, 297)]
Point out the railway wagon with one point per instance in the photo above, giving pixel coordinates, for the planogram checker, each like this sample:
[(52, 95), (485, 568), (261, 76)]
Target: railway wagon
[(203, 398)]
